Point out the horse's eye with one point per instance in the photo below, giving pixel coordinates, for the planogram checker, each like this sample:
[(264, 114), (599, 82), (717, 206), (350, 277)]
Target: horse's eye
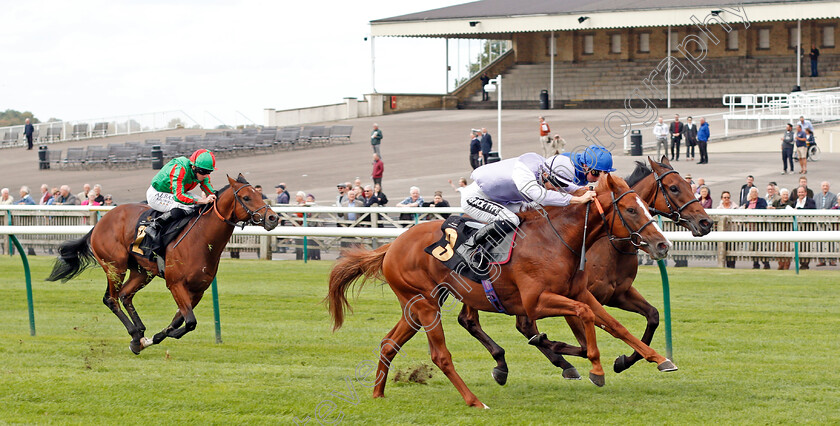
[(674, 188), (631, 210), (246, 198)]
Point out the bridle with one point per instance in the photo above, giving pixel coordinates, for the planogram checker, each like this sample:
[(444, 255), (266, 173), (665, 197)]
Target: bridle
[(255, 217), (674, 214), (635, 237)]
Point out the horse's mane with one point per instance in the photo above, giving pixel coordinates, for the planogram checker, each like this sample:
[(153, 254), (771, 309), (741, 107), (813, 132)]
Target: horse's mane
[(239, 179), (642, 171)]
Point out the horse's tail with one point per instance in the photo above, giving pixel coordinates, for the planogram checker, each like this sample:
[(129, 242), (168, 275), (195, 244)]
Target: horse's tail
[(354, 263), (74, 256)]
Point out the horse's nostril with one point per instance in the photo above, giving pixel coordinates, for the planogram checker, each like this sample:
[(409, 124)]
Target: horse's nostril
[(705, 224), (662, 246)]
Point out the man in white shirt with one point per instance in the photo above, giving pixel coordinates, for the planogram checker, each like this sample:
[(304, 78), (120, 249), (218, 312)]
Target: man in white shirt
[(660, 132)]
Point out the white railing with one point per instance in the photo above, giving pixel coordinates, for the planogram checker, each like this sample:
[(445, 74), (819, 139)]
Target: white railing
[(56, 131), (760, 112)]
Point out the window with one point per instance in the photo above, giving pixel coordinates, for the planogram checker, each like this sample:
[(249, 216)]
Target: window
[(764, 38), (615, 43), (828, 36), (732, 40), (704, 36), (675, 40), (588, 44), (644, 42), (792, 37)]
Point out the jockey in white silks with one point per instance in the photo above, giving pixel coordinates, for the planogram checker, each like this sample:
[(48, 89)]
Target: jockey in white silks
[(501, 189)]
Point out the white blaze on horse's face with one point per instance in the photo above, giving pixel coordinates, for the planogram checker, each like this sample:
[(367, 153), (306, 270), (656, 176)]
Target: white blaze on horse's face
[(649, 217)]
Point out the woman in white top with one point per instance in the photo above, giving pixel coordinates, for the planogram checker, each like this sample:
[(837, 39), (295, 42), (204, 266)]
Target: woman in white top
[(726, 201)]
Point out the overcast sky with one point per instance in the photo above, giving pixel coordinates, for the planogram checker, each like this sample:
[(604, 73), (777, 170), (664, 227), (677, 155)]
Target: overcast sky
[(92, 59)]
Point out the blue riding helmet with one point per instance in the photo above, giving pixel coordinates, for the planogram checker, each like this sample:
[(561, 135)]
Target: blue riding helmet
[(596, 157)]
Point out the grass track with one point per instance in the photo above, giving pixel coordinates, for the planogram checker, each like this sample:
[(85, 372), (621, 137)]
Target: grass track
[(752, 347)]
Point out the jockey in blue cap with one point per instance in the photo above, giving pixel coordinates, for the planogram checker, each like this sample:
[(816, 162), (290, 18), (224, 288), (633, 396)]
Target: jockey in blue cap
[(506, 187), (590, 163)]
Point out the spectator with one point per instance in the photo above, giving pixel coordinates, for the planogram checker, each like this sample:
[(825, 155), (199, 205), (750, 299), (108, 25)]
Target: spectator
[(545, 140), (356, 183), (352, 201), (558, 146), (83, 195), (376, 197), (803, 182), (803, 201), (809, 143), (745, 190), (700, 183), (705, 197), (65, 197), (28, 130), (265, 199), (25, 198), (486, 145), (99, 197), (772, 194), (5, 198), (91, 199), (806, 124), (283, 196), (376, 139), (756, 202), (802, 149), (694, 189), (414, 199), (660, 132), (378, 169), (55, 194), (341, 198), (788, 140), (485, 80), (310, 199), (109, 201), (690, 139), (462, 182), (784, 200), (702, 141), (676, 131), (475, 148), (726, 201), (814, 55), (824, 200), (45, 195), (438, 201)]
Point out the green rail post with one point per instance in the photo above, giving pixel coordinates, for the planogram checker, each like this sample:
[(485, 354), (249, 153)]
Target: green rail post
[(416, 218), (666, 303), (796, 247), (305, 242), (9, 220), (216, 320), (15, 241)]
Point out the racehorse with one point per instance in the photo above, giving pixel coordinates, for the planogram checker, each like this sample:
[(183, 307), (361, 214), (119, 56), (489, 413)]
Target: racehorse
[(191, 259), (611, 268), (541, 280)]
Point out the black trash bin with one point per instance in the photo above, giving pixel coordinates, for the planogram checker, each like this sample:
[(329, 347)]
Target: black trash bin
[(543, 99), (157, 157), (43, 161), (636, 143), (493, 157)]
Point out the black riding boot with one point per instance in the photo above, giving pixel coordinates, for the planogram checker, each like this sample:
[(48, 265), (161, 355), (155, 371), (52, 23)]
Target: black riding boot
[(492, 233), (155, 230)]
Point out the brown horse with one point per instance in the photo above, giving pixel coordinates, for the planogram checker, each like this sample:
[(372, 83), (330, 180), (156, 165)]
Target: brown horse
[(541, 280), (611, 269), (191, 259)]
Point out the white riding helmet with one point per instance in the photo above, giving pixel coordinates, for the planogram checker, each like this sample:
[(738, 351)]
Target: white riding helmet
[(561, 171)]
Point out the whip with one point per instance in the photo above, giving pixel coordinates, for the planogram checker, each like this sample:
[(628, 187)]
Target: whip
[(590, 187)]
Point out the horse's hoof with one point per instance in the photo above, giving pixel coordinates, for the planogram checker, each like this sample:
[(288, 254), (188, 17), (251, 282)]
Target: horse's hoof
[(135, 346), (667, 365), (500, 376), (597, 380), (485, 406), (571, 373), (621, 364), (146, 342)]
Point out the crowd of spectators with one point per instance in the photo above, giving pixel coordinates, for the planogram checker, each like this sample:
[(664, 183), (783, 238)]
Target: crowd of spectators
[(58, 195)]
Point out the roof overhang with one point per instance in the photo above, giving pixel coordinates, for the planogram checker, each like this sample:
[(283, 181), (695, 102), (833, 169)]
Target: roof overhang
[(462, 27)]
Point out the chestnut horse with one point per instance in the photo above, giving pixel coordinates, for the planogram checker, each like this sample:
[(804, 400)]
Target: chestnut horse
[(541, 280), (611, 269), (191, 259)]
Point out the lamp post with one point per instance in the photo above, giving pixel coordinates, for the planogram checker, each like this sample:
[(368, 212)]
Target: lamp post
[(492, 86)]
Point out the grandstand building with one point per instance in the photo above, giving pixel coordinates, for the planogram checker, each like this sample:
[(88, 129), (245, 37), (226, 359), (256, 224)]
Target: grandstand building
[(595, 54)]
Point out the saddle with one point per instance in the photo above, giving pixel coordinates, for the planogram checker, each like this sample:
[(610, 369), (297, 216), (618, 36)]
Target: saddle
[(151, 248), (458, 252)]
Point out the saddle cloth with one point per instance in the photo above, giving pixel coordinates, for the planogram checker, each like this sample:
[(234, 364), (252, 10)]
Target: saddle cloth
[(457, 251), (145, 246)]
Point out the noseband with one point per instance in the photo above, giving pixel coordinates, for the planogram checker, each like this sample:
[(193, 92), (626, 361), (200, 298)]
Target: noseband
[(255, 217), (635, 237), (674, 214)]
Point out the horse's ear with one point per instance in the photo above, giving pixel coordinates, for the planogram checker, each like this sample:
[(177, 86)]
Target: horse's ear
[(653, 165), (230, 180), (665, 161), (241, 179), (609, 182)]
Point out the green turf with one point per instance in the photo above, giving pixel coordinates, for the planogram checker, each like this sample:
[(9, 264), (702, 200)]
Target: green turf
[(752, 347)]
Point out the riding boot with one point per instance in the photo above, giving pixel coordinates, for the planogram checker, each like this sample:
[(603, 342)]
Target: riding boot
[(155, 230), (492, 233)]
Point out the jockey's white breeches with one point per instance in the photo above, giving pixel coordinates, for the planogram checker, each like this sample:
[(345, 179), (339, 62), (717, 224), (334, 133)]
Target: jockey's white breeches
[(476, 204), (165, 201)]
